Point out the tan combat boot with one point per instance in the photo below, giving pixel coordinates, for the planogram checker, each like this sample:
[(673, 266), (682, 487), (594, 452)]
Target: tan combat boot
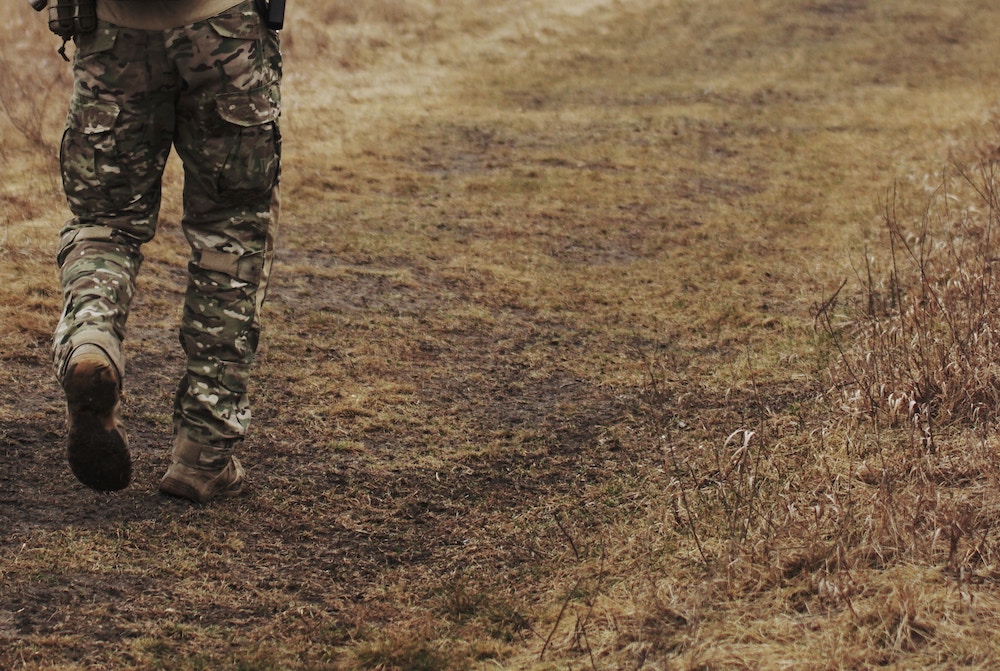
[(191, 476), (97, 449)]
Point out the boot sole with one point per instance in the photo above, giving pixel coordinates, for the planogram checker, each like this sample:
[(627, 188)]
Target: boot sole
[(188, 483), (184, 490), (97, 450)]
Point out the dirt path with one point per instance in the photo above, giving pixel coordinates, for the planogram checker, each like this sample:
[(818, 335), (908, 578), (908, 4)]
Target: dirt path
[(522, 243), (402, 461)]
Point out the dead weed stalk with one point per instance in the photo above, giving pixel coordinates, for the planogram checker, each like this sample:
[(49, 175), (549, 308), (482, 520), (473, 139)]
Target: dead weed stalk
[(30, 97), (724, 498)]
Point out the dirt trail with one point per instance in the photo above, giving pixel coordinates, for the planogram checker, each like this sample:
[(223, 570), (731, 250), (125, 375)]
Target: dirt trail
[(518, 242), (351, 499)]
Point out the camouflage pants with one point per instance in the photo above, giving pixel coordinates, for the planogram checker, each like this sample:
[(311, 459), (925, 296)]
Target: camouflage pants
[(211, 91)]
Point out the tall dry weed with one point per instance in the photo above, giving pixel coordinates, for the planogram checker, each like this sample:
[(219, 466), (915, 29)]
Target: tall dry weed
[(896, 471), (917, 385), (920, 341)]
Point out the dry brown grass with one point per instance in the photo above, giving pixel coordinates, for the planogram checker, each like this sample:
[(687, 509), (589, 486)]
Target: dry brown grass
[(557, 372)]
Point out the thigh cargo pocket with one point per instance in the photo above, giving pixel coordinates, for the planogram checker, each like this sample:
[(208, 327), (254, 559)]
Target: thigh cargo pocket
[(110, 159), (253, 142), (92, 174)]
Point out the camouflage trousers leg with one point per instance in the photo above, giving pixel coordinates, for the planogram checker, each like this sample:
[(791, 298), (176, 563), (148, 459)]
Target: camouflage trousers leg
[(211, 91), (112, 157)]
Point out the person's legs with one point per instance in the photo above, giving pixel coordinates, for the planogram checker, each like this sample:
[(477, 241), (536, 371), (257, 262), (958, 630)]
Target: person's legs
[(228, 140), (117, 139)]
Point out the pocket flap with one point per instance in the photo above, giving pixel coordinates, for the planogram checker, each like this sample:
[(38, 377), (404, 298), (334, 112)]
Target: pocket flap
[(250, 108), (101, 40), (94, 116), (243, 25)]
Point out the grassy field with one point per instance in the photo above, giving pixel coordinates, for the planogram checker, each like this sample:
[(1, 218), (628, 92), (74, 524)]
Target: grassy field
[(603, 334)]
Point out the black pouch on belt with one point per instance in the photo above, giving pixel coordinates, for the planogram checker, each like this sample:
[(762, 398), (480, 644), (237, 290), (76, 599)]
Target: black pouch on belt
[(273, 12), (68, 18), (72, 17)]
